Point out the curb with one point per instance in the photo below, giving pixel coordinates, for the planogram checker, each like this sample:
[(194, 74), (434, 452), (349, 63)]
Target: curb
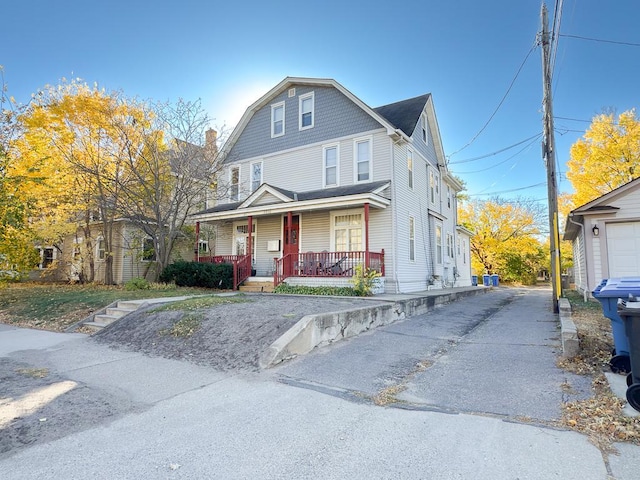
[(569, 332), (318, 330)]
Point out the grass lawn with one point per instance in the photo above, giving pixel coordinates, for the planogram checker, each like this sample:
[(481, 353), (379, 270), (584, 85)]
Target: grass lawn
[(55, 307)]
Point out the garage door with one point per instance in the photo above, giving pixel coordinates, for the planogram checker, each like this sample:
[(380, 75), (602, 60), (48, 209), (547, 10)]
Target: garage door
[(623, 249)]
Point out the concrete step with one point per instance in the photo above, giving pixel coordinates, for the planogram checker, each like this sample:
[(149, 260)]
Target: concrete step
[(105, 319), (265, 287), (119, 312)]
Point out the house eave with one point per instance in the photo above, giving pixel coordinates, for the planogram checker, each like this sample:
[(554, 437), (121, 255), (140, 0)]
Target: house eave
[(374, 201)]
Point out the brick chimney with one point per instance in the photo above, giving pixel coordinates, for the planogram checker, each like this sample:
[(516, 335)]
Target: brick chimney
[(211, 142)]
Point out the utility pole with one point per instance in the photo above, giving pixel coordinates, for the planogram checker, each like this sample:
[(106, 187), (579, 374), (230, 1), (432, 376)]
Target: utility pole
[(549, 157)]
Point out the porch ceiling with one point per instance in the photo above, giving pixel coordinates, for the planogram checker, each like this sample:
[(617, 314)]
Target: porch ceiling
[(331, 203)]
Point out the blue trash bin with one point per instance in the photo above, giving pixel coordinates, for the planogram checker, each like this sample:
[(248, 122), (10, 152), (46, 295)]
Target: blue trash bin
[(474, 280), (495, 280), (486, 280), (630, 314), (608, 293)]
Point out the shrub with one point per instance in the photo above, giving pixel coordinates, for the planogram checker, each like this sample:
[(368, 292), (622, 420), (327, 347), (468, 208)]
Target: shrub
[(364, 280), (194, 274), (137, 283), (306, 290)]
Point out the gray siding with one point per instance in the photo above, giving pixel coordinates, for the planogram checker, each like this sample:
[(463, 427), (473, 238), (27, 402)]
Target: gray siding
[(335, 116)]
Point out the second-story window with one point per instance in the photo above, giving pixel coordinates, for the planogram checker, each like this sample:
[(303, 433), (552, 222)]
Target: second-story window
[(234, 184), (277, 119), (362, 152), (439, 244), (306, 111), (330, 154), (448, 196), (256, 176), (410, 167)]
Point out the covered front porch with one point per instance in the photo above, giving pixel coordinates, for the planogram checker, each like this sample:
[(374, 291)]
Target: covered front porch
[(304, 241)]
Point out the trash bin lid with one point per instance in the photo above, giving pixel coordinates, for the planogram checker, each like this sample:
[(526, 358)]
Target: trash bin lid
[(620, 290)]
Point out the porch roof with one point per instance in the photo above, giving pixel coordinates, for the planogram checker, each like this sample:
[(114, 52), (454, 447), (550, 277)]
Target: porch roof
[(287, 200)]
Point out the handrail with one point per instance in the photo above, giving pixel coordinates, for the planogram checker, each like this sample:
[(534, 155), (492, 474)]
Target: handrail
[(241, 266)]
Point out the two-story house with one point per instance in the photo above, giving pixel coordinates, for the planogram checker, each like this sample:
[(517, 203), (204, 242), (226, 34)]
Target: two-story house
[(316, 182)]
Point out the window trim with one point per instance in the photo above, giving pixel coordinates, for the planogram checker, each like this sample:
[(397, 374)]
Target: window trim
[(332, 225), (237, 194), (438, 242), (410, 167), (425, 128), (412, 239), (301, 99), (275, 107), (261, 163), (324, 165), (450, 246), (101, 257), (42, 265), (357, 141), (254, 235)]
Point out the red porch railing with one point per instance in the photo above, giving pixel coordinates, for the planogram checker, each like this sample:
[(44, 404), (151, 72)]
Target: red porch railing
[(241, 266), (325, 264)]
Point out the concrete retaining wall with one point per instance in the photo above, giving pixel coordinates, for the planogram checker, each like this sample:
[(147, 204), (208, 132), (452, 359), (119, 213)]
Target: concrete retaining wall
[(321, 329)]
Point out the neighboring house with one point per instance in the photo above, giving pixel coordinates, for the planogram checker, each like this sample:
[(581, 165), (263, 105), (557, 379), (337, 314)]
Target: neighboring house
[(324, 182), (133, 256), (605, 234)]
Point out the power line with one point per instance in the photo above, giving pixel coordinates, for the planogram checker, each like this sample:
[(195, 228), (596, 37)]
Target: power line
[(629, 44), (533, 47), (506, 160), (508, 191), (467, 160)]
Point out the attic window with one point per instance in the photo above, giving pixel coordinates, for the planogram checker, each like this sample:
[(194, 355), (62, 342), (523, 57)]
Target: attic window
[(277, 119), (424, 128)]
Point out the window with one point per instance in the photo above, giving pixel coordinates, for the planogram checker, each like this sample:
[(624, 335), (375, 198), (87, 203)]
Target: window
[(425, 130), (256, 176), (448, 196), (234, 183), (203, 247), (439, 244), (306, 106), (464, 252), (277, 120), (412, 239), (347, 232), (241, 234), (330, 155), (362, 153), (450, 252), (100, 249), (48, 256), (410, 167), (458, 245), (434, 188), (148, 250)]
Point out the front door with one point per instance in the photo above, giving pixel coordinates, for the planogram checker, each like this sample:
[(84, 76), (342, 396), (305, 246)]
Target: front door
[(291, 242)]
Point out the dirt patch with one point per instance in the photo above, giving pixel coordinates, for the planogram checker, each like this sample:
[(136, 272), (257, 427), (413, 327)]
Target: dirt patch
[(225, 337), (39, 406)]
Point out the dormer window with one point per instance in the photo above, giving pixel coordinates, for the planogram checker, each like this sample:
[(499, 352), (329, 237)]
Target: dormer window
[(306, 105), (277, 120)]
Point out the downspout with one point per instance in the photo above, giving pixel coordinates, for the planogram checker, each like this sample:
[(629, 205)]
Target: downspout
[(586, 267), (394, 219)]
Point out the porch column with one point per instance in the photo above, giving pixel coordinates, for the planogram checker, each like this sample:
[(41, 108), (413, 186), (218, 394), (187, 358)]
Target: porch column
[(288, 263), (249, 237), (197, 250), (366, 235)]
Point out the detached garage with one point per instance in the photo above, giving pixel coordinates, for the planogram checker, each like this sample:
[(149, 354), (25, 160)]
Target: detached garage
[(605, 234)]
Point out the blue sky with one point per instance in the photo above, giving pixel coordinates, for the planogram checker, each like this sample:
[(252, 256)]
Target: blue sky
[(465, 52)]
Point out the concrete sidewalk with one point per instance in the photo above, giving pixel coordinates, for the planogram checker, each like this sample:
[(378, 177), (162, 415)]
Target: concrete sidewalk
[(170, 419)]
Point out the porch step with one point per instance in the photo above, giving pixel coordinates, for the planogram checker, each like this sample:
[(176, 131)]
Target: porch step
[(257, 286)]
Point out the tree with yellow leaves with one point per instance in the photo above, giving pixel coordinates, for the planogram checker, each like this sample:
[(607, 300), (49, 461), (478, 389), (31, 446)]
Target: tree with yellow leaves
[(506, 237), (607, 157)]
